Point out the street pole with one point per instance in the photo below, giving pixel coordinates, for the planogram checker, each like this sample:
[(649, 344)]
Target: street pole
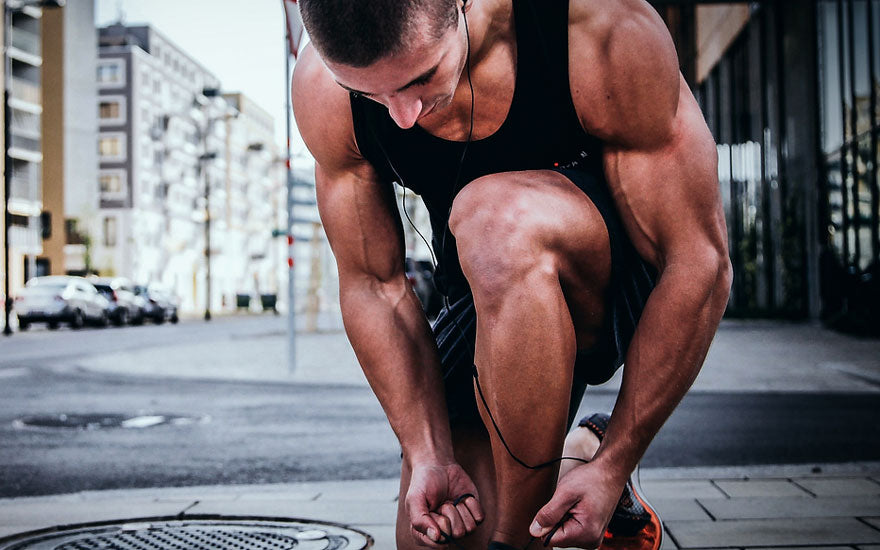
[(7, 165), (291, 279), (208, 246)]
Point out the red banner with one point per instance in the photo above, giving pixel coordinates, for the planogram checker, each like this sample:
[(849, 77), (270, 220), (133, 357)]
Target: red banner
[(295, 31)]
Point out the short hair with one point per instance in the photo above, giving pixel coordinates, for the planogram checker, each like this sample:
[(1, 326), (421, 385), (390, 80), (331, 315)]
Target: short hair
[(360, 32)]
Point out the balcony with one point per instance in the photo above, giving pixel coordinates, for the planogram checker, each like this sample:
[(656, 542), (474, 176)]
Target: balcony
[(26, 193), (27, 92), (26, 41), (26, 240), (25, 143)]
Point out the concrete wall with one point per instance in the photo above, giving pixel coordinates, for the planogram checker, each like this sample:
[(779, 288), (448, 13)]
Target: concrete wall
[(80, 119), (717, 27)]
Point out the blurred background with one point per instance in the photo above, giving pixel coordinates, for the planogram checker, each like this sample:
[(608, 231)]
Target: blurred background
[(153, 180), (146, 141)]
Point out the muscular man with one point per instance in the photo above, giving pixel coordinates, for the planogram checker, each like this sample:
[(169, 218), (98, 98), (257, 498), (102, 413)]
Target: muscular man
[(572, 187)]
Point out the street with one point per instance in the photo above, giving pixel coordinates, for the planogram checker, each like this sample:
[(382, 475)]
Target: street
[(258, 431)]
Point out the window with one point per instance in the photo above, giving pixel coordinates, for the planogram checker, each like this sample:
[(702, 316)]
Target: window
[(109, 109), (109, 232), (110, 183), (111, 73), (112, 146)]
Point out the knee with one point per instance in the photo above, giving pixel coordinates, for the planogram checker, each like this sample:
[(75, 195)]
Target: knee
[(501, 236)]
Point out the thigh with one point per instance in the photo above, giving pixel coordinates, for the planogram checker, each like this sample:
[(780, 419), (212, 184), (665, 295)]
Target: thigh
[(519, 217), (474, 454)]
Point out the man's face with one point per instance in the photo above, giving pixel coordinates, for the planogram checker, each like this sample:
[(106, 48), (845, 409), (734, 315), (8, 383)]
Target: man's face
[(414, 83)]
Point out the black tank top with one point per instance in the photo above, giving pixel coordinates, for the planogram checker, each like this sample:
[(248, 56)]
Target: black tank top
[(541, 131)]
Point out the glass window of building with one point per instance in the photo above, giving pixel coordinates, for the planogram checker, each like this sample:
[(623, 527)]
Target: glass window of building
[(109, 109), (111, 183), (109, 231), (112, 147), (111, 72)]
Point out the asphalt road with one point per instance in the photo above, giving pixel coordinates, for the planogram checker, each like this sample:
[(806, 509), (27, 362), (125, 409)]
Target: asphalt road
[(247, 432)]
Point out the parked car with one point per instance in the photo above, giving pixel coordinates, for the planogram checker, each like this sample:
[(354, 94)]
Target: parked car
[(421, 276), (161, 305), (125, 306), (60, 299)]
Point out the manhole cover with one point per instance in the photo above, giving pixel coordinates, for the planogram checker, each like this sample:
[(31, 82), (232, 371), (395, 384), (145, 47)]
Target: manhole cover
[(194, 533), (102, 421)]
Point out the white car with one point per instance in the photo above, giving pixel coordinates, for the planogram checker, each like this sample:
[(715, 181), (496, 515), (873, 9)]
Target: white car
[(60, 299)]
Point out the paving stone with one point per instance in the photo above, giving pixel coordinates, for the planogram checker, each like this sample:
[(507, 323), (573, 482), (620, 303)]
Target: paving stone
[(677, 509), (46, 513), (358, 490), (772, 532), (844, 486), (277, 495), (667, 543), (792, 507), (346, 512), (681, 489), (383, 535), (761, 488)]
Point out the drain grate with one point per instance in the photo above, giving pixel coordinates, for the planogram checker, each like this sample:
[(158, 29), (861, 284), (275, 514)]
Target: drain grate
[(194, 534), (103, 421)]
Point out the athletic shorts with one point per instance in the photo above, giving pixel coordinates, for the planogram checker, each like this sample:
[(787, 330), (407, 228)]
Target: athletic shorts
[(632, 280)]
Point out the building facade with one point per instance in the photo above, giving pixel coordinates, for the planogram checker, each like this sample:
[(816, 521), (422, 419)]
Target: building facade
[(791, 98), (25, 201), (191, 183), (70, 130), (253, 256)]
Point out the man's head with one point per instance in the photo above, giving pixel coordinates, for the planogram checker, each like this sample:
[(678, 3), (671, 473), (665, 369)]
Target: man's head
[(360, 32), (406, 54)]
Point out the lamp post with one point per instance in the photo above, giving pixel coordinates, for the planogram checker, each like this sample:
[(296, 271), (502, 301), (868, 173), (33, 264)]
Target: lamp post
[(10, 7), (201, 101)]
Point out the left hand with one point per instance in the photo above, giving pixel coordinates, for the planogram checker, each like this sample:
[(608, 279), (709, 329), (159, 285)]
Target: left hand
[(583, 503)]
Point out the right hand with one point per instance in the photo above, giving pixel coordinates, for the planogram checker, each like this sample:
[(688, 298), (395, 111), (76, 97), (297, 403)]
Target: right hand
[(431, 505)]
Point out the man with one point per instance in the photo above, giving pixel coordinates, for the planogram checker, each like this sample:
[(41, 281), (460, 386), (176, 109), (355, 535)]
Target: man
[(572, 187)]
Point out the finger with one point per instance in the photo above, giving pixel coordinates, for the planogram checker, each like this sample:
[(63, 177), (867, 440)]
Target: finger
[(444, 525), (474, 507), (425, 528), (470, 524), (456, 522), (563, 533), (552, 513), (421, 539)]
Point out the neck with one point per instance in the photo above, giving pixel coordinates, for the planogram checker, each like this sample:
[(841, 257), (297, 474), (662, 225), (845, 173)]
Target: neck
[(488, 22)]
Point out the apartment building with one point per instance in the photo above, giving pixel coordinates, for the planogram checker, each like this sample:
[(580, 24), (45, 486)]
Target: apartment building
[(25, 201), (70, 130), (156, 128)]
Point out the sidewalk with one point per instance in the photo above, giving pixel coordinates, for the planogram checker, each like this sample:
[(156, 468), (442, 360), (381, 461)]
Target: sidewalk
[(768, 507), (754, 356), (817, 506)]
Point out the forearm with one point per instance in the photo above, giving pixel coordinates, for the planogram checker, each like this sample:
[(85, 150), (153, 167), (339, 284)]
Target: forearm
[(393, 343), (667, 351)]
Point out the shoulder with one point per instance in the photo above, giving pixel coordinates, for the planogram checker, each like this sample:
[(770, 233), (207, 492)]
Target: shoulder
[(323, 113), (623, 71)]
